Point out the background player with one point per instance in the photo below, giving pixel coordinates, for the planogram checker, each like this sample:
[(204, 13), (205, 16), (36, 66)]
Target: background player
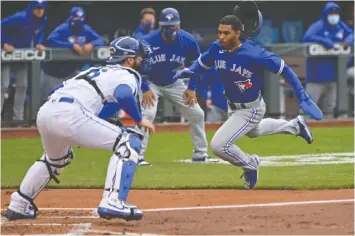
[(71, 116), (75, 34), (241, 63), (173, 48), (19, 31)]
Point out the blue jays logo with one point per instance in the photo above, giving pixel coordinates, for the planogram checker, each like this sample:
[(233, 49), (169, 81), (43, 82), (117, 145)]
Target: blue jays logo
[(169, 17), (79, 13), (244, 85), (340, 35), (79, 40), (292, 31)]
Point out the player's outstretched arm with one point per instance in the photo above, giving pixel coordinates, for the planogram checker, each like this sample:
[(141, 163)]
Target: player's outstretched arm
[(126, 99), (305, 101)]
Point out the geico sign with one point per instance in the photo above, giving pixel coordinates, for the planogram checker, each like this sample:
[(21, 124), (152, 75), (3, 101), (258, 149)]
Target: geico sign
[(103, 53), (318, 50), (23, 55)]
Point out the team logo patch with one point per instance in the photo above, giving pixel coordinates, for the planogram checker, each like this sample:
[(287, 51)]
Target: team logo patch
[(340, 34), (244, 85), (169, 17)]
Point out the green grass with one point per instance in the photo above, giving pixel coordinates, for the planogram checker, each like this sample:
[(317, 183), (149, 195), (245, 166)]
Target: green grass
[(88, 170)]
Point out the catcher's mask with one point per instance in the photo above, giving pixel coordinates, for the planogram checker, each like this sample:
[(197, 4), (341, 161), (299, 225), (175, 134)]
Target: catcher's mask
[(252, 19)]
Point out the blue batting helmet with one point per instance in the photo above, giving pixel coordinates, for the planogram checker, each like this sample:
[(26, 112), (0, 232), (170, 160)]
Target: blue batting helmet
[(169, 16), (37, 4), (125, 47), (252, 19)]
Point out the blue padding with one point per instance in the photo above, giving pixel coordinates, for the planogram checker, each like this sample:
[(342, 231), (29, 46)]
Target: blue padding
[(127, 174), (135, 143)]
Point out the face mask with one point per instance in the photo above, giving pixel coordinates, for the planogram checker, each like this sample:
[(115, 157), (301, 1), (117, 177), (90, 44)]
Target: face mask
[(333, 19), (169, 33), (147, 26), (77, 26)]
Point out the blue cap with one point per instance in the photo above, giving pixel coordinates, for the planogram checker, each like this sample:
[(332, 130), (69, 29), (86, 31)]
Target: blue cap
[(169, 16), (77, 12), (38, 4)]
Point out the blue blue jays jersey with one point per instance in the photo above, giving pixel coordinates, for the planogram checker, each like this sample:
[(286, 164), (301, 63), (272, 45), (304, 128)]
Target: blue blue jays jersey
[(242, 70), (168, 58)]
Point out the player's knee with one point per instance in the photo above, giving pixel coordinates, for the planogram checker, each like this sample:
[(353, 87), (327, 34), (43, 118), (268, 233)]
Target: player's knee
[(196, 115), (217, 146), (135, 143), (253, 134)]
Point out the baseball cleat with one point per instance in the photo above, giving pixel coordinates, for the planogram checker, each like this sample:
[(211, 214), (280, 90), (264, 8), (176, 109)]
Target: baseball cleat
[(200, 159), (12, 215), (110, 209), (142, 162), (305, 131), (251, 176)]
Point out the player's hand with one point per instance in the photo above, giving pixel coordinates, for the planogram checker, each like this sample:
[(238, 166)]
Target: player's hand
[(190, 97), (308, 106), (146, 124), (40, 47), (148, 99), (87, 48), (78, 49), (184, 73), (209, 103), (8, 47)]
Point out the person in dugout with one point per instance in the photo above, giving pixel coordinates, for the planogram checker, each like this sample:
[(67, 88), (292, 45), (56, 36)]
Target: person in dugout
[(19, 31), (75, 34), (330, 32)]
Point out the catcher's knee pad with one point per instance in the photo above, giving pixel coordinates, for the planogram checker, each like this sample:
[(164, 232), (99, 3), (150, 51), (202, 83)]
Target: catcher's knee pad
[(128, 146), (56, 166), (126, 155)]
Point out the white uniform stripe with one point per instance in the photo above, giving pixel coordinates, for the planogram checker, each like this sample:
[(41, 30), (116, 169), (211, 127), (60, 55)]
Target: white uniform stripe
[(281, 67), (203, 65)]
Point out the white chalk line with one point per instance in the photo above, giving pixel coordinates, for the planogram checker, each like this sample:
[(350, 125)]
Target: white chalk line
[(82, 228), (93, 210)]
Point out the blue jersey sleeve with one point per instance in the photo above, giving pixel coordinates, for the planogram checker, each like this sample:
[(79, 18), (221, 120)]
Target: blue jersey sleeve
[(193, 55), (313, 35), (124, 96), (94, 37), (206, 60), (38, 39), (8, 23), (57, 39), (271, 62)]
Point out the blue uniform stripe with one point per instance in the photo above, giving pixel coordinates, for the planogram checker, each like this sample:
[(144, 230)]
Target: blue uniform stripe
[(230, 141)]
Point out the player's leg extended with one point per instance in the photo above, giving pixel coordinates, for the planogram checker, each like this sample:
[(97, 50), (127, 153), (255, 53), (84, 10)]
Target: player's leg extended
[(120, 173), (5, 81), (195, 116), (222, 144), (269, 126), (149, 114), (21, 76), (57, 155)]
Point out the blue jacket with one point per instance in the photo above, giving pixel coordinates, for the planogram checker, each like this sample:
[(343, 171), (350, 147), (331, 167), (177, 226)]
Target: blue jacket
[(21, 28), (212, 81), (324, 69), (62, 37), (140, 33)]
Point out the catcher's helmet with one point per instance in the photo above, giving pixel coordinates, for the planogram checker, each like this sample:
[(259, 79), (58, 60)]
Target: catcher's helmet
[(169, 16), (126, 46), (252, 19)]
